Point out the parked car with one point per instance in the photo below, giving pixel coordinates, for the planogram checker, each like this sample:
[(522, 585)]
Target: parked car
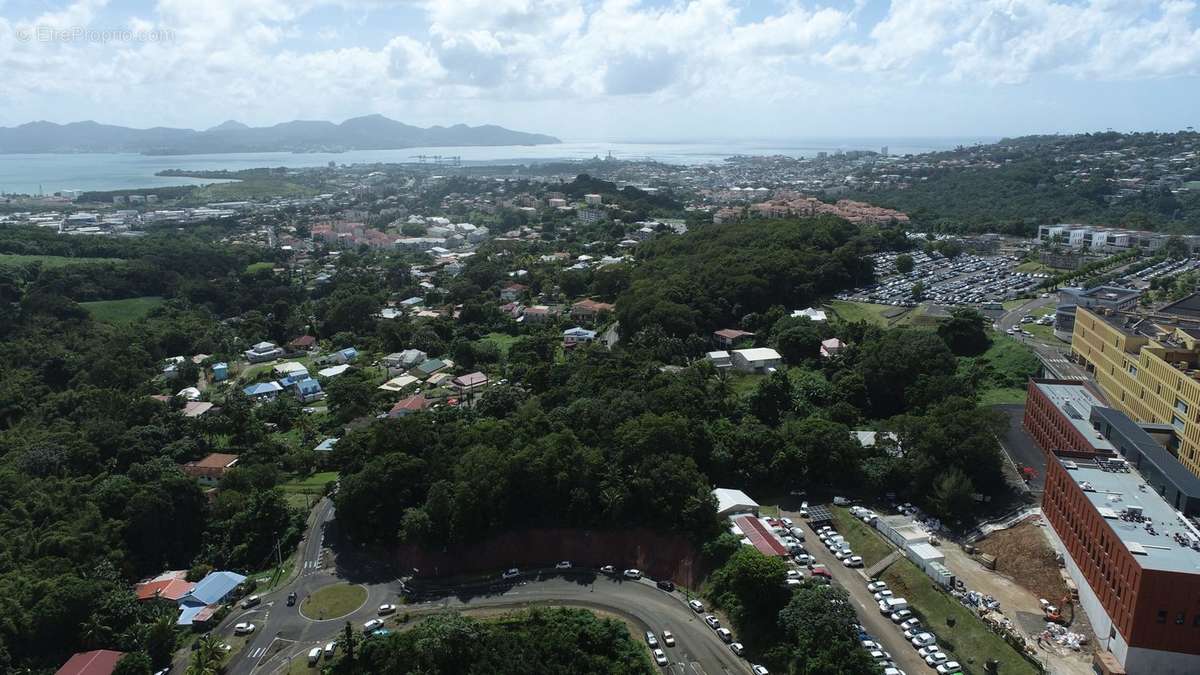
[(869, 645), (885, 593), (372, 625), (696, 606), (926, 651), (651, 639), (314, 655), (330, 649), (725, 634), (853, 561), (665, 584), (911, 623), (910, 633), (387, 608), (737, 648), (794, 574), (660, 657), (608, 569), (564, 565), (244, 628), (633, 574), (251, 602), (891, 670), (936, 659), (759, 670), (876, 586), (510, 573), (291, 599), (668, 639), (901, 616), (949, 667), (712, 621), (880, 655), (923, 640)]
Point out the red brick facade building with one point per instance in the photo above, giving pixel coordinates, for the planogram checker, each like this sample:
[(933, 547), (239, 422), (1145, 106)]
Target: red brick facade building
[(1056, 416)]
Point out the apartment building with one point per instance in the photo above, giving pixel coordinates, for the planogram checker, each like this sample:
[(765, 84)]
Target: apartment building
[(1135, 560), (1148, 366), (1096, 238)]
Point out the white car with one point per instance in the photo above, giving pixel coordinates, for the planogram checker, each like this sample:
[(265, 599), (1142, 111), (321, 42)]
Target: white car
[(877, 586), (633, 574), (794, 574), (372, 625), (901, 616), (712, 621), (608, 569), (880, 655), (788, 522), (926, 651), (885, 593), (737, 648), (314, 655), (668, 639), (949, 667), (892, 671), (564, 565), (911, 623), (660, 658), (870, 644), (853, 561), (843, 553), (696, 606), (759, 670), (913, 632), (725, 634), (251, 602), (511, 573), (330, 649), (923, 640), (936, 659), (803, 559), (387, 608), (243, 628), (651, 639)]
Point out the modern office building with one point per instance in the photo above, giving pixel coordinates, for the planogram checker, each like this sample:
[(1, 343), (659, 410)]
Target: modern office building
[(1112, 298), (1058, 417), (1135, 560), (1095, 238), (1148, 366)]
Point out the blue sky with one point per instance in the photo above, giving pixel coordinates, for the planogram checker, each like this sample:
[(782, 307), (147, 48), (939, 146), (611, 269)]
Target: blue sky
[(612, 69)]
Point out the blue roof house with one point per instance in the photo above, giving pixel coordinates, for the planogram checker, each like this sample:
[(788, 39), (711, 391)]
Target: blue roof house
[(326, 445), (309, 390), (263, 391), (348, 354), (213, 589), (220, 371)]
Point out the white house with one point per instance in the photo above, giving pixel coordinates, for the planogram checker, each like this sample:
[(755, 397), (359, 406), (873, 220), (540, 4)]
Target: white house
[(756, 360), (811, 313), (731, 502)]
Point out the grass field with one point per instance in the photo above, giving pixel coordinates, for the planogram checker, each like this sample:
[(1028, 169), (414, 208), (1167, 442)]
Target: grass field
[(259, 266), (860, 537), (503, 341), (880, 315), (1001, 396), (313, 485), (333, 601), (14, 260), (969, 641), (122, 311), (1011, 364)]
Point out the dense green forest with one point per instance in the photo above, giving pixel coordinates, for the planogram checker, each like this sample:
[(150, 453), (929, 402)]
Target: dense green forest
[(1029, 182), (536, 641)]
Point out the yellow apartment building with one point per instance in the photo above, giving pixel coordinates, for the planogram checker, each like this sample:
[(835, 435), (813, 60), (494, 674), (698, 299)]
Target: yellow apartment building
[(1148, 366)]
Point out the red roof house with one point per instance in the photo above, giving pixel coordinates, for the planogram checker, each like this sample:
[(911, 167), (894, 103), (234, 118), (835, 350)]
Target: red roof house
[(410, 405), (170, 586), (98, 662)]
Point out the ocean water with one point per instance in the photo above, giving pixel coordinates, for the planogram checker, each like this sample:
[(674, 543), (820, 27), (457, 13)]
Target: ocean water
[(49, 173)]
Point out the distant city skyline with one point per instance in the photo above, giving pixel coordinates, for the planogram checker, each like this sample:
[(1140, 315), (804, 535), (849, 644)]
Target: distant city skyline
[(612, 69)]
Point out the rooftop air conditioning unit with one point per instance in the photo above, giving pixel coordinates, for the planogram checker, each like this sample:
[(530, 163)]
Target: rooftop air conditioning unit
[(1134, 510)]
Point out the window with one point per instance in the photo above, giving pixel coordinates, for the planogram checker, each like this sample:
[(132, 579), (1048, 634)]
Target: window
[(1162, 616), (1181, 618), (1181, 406), (1178, 423)]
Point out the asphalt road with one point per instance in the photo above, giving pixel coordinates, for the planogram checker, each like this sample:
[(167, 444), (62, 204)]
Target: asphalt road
[(284, 634), (1020, 446)]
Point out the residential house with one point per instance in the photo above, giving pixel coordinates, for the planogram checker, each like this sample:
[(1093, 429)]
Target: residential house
[(210, 469), (333, 371), (399, 383), (263, 352), (469, 382), (189, 394), (831, 347), (577, 335), (304, 343), (196, 408), (401, 361), (289, 368), (220, 371), (309, 390), (756, 360), (407, 406), (720, 359), (96, 662), (728, 337), (169, 586), (263, 391), (429, 367), (339, 357), (811, 313), (588, 311), (513, 309), (439, 379), (326, 445), (539, 314), (202, 602), (512, 292)]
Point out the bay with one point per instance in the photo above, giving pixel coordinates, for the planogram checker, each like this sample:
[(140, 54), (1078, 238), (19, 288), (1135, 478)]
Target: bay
[(49, 173)]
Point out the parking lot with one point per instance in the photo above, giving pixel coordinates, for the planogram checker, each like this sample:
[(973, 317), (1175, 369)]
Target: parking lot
[(964, 280)]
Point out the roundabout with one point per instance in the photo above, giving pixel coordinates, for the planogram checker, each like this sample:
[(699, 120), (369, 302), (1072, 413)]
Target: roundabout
[(335, 601)]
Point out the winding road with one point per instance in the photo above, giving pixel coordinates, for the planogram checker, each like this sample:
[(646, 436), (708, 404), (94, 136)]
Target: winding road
[(284, 635)]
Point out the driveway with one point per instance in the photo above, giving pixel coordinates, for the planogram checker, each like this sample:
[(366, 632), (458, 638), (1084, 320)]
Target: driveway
[(1020, 445)]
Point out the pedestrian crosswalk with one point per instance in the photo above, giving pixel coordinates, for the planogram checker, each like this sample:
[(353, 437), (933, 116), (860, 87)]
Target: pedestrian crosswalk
[(258, 653)]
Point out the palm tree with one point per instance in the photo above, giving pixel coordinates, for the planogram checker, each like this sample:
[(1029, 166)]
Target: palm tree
[(206, 659)]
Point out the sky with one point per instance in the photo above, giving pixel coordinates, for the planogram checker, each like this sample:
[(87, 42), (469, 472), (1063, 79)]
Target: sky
[(612, 69)]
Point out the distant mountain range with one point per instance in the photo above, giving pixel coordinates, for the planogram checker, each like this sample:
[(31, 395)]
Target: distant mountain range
[(373, 132)]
